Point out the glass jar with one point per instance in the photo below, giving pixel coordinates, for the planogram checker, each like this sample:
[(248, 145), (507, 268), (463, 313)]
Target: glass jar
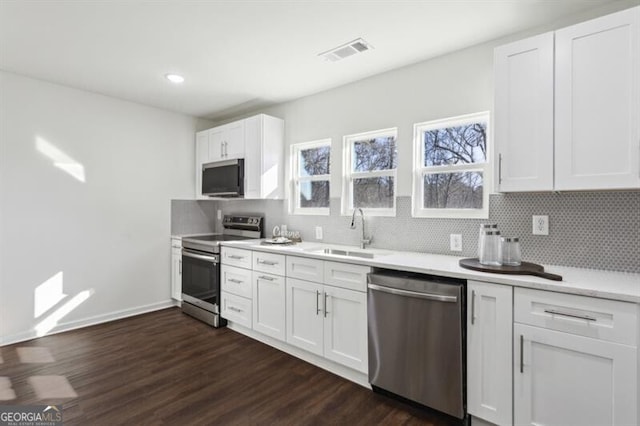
[(483, 228), (491, 249), (511, 255)]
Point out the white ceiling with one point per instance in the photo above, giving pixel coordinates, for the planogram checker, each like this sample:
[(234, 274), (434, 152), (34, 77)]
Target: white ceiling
[(241, 54)]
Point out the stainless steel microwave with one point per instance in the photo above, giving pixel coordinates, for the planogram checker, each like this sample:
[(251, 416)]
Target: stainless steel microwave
[(223, 178)]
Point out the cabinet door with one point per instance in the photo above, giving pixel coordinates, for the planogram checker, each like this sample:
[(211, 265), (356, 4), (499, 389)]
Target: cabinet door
[(523, 120), (563, 379), (216, 145), (176, 273), (269, 304), (304, 315), (598, 103), (202, 157), (489, 353), (233, 140), (345, 327)]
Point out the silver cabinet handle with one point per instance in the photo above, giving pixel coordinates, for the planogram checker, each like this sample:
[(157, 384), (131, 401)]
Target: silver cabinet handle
[(564, 314), (233, 280), (521, 353), (500, 168), (325, 305), (267, 262), (235, 256), (231, 308), (221, 149), (473, 307), (317, 302), (264, 277), (226, 148), (429, 296), (180, 267)]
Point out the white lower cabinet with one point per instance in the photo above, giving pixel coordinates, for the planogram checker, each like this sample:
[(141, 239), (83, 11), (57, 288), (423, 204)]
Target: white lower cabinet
[(176, 269), (328, 321), (235, 308), (489, 353), (305, 315), (269, 304), (563, 379), (345, 327), (324, 313), (575, 360)]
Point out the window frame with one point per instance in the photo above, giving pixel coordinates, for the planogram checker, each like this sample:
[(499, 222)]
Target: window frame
[(296, 179), (348, 175), (420, 170)]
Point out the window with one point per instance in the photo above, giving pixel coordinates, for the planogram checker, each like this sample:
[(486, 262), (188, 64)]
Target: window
[(310, 171), (370, 161), (451, 171)]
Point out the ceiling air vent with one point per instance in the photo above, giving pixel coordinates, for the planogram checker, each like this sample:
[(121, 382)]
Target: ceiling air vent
[(346, 50)]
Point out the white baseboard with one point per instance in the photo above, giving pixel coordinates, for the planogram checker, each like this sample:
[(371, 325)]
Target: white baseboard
[(86, 322), (335, 368)]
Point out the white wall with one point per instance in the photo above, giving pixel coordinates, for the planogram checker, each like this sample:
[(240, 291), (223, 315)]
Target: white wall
[(108, 235)]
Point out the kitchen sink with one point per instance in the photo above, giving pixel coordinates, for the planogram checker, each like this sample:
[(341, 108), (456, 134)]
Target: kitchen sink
[(349, 253)]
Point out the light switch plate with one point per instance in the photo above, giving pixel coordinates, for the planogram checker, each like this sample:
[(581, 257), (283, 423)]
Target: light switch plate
[(318, 232), (540, 225), (455, 242), (219, 214)]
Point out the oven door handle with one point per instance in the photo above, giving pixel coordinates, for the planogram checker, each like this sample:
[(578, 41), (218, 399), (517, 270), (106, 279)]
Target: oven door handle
[(199, 256)]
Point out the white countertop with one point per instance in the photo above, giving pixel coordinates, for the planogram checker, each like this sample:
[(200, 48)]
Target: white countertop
[(586, 282)]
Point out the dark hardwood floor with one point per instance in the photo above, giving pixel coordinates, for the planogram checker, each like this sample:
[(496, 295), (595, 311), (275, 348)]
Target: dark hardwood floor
[(165, 368)]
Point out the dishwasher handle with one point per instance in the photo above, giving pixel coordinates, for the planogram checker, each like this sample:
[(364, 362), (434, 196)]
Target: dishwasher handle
[(416, 294)]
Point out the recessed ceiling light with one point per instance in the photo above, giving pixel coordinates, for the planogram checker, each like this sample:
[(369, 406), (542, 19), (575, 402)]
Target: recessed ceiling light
[(174, 78)]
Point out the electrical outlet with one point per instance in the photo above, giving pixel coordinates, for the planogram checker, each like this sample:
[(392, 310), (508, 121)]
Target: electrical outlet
[(318, 232), (540, 225), (455, 242), (219, 214)]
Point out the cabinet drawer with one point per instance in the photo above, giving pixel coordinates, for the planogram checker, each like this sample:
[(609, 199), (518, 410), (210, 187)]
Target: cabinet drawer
[(602, 319), (236, 280), (269, 263), (236, 309), (236, 257), (345, 275), (305, 269)]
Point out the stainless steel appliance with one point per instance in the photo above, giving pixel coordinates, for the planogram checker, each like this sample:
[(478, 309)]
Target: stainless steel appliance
[(223, 178), (417, 338), (201, 267)]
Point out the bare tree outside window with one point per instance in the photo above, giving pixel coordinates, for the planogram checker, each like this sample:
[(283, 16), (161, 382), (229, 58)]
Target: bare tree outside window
[(312, 171), (465, 144), (372, 167), (453, 164)]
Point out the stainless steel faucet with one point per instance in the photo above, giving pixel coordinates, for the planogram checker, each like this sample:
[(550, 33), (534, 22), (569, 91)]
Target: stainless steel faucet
[(364, 241)]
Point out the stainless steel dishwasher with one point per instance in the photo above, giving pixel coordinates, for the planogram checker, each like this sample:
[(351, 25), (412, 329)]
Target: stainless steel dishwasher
[(416, 338)]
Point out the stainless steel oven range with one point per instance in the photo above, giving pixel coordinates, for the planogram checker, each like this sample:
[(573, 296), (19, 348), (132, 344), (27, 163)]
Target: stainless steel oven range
[(201, 267)]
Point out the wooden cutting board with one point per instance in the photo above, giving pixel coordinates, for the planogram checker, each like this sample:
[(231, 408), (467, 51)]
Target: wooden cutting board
[(526, 268)]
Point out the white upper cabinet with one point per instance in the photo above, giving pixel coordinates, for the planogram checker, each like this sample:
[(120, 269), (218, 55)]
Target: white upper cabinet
[(598, 103), (259, 140), (227, 142), (264, 162), (567, 108), (524, 114)]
